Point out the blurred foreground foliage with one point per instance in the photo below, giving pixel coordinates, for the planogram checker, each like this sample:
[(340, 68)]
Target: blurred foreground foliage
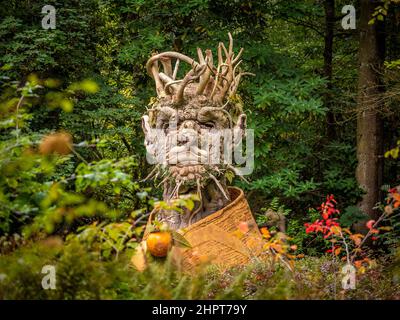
[(72, 159), (81, 274)]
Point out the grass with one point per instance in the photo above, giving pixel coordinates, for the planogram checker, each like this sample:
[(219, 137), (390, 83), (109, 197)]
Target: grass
[(82, 274)]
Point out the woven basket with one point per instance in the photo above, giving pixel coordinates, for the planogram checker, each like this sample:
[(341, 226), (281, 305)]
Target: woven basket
[(216, 238)]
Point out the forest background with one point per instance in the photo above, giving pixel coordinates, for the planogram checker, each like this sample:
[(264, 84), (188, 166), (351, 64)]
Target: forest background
[(324, 105)]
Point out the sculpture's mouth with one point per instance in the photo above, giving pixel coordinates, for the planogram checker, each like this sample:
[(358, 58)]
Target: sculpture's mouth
[(186, 173), (186, 179), (190, 179)]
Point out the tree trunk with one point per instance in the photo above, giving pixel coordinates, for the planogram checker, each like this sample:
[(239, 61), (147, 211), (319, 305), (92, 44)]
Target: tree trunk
[(329, 6), (369, 123)]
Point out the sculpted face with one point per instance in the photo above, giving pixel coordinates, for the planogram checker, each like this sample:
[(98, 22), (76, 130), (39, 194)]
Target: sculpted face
[(192, 127)]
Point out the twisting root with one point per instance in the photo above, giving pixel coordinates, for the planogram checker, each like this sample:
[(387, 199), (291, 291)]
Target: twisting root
[(174, 190), (152, 172), (237, 173), (177, 189), (201, 201), (219, 185), (164, 180), (157, 174)]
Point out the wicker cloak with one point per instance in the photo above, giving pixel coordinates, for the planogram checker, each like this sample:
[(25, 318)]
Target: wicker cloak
[(217, 239)]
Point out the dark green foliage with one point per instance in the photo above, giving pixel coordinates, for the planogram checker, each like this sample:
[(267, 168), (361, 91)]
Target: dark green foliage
[(351, 215), (283, 101), (68, 50), (81, 275), (88, 77)]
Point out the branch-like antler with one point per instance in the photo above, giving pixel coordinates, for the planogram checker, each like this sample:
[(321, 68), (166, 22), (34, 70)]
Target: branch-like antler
[(213, 82), (192, 75), (166, 80), (168, 55), (226, 80), (205, 78)]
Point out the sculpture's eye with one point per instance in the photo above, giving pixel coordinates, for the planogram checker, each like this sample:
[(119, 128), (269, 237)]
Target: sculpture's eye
[(210, 124), (168, 125)]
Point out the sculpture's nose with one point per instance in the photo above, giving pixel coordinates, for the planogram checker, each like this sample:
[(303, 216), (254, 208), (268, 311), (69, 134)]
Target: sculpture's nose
[(187, 124), (187, 137), (187, 133)]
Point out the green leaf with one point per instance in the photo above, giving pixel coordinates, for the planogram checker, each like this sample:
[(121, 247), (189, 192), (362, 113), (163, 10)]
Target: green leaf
[(189, 204), (351, 215), (66, 105), (229, 175), (180, 240)]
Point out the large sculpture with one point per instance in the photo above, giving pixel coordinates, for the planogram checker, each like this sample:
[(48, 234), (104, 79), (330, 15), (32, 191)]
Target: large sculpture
[(192, 127), (193, 134)]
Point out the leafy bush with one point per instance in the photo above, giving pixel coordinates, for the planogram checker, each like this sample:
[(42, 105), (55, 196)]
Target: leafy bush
[(80, 274)]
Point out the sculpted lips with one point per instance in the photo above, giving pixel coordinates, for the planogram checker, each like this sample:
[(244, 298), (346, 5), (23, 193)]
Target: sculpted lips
[(185, 173), (187, 156)]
